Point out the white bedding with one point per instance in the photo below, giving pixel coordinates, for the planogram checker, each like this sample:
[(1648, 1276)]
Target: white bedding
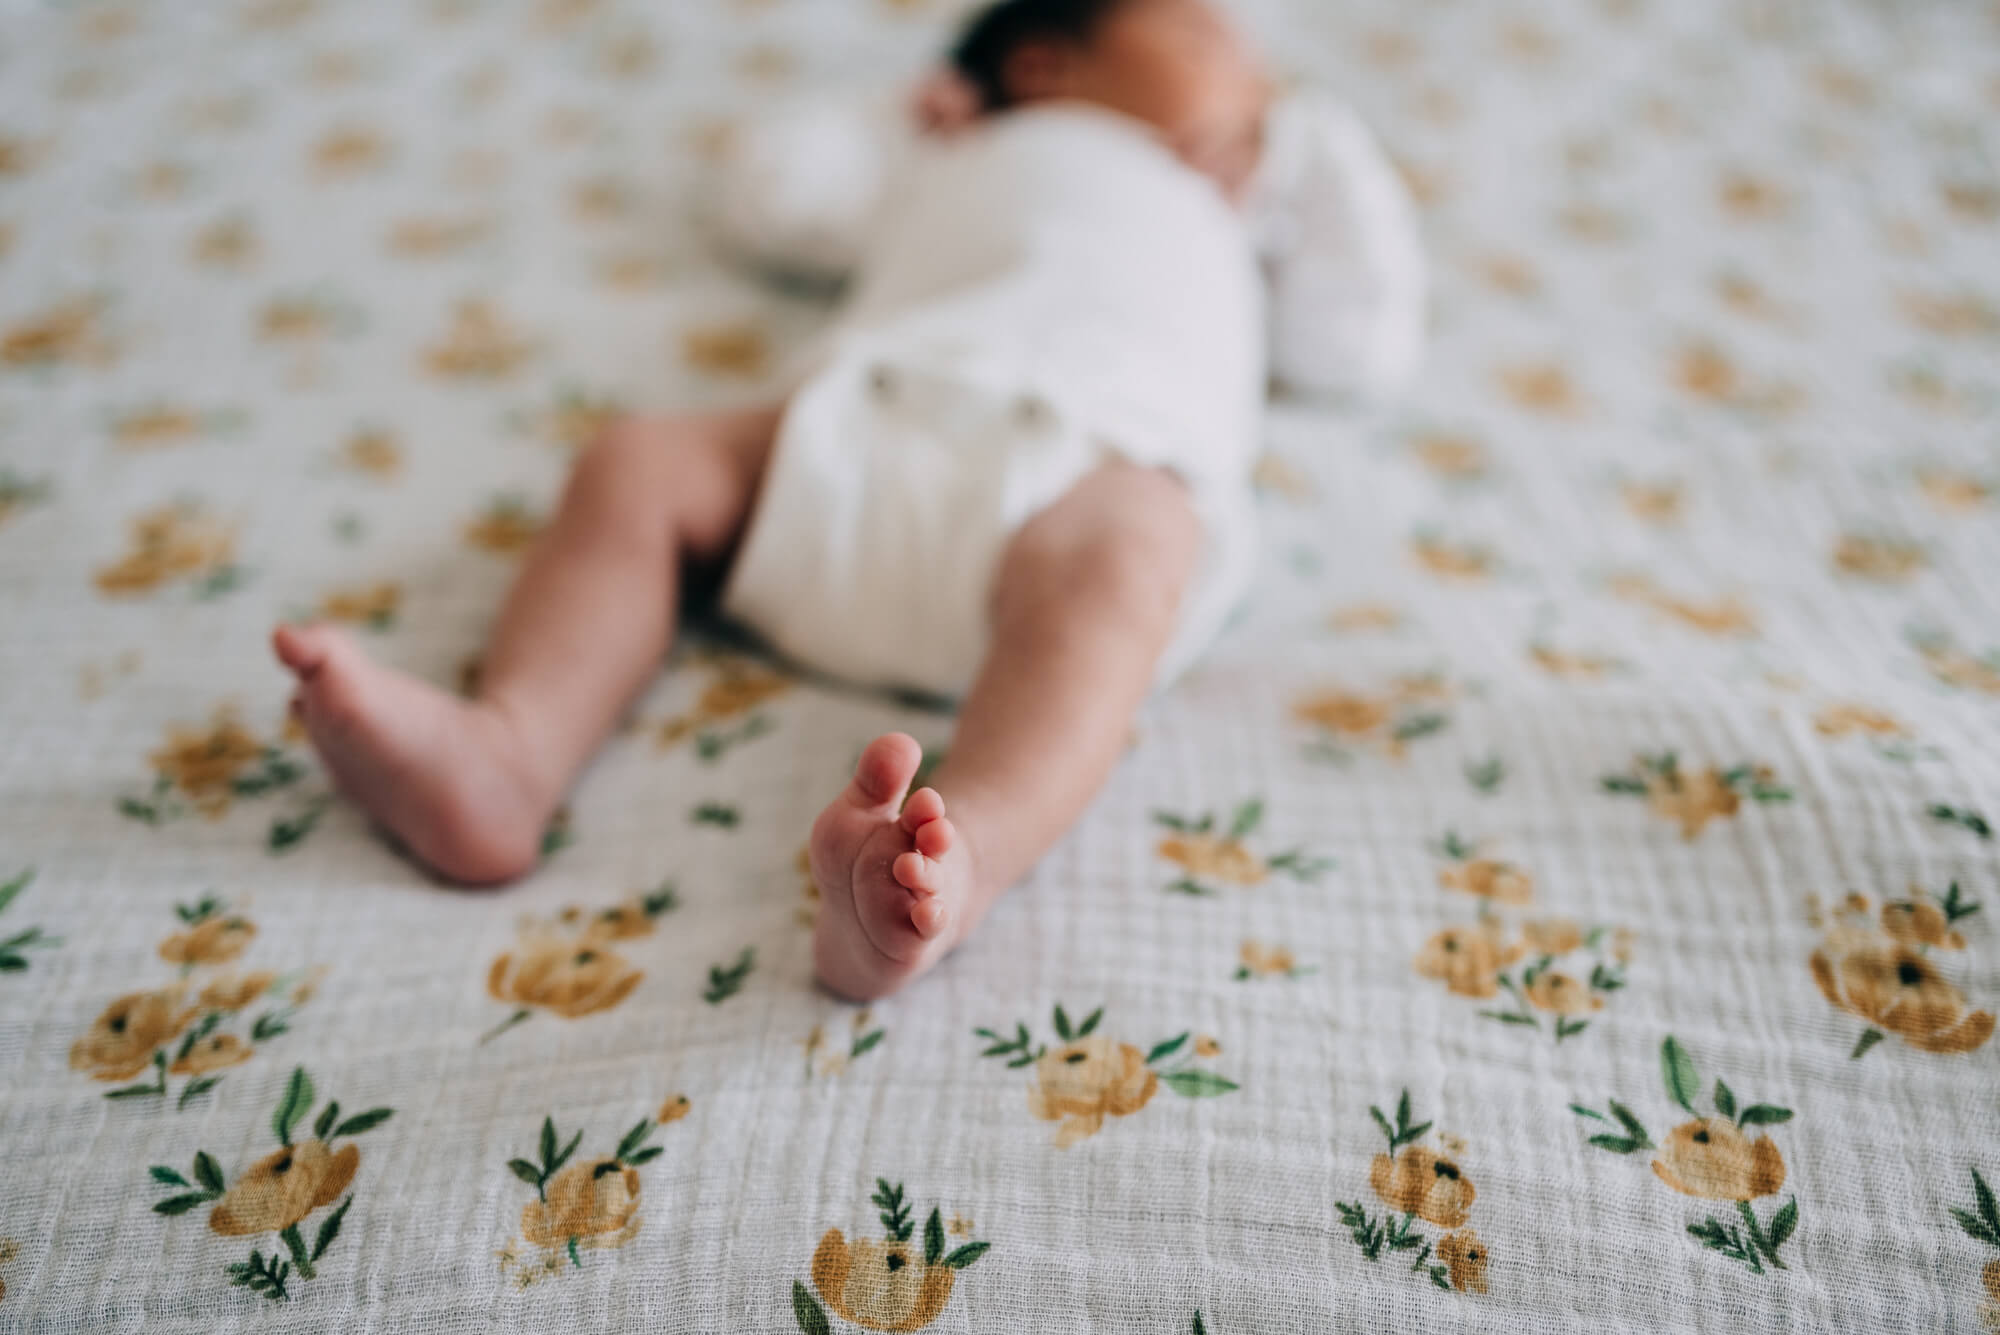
[(1654, 634)]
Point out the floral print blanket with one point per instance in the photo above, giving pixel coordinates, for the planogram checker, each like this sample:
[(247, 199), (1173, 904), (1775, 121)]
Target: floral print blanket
[(1566, 900)]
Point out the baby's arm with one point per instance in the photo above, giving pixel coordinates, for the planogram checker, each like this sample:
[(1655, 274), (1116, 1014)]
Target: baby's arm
[(1343, 251), (798, 190)]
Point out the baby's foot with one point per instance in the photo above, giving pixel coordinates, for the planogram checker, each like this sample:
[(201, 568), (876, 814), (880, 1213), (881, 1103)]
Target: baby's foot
[(895, 879), (445, 776)]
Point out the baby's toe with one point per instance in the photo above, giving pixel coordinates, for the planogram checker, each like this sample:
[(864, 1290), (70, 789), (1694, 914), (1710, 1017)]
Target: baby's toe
[(924, 806), (916, 872), (930, 917), (935, 838)]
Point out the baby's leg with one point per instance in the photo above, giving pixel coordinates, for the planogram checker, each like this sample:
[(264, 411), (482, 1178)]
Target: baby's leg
[(1085, 602), (469, 785)]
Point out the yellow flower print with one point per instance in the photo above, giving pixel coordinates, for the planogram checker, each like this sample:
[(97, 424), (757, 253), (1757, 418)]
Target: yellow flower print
[(573, 419), (122, 1040), (1390, 719), (1959, 315), (277, 1192), (215, 939), (740, 350), (1510, 275), (1704, 371), (1710, 1157), (568, 978), (597, 1209), (879, 1285), (373, 605), (1750, 198), (209, 766), (1464, 1257), (1469, 561), (1971, 201), (1560, 994), (505, 528), (284, 1187), (1489, 878), (633, 917), (17, 155), (1842, 720), (227, 243), (1261, 961), (1575, 666), (1358, 617), (233, 992), (601, 198), (348, 150), (1416, 1182), (1918, 922), (736, 690), (1588, 221), (1275, 474), (215, 1053), (569, 967), (1422, 1183), (425, 237), (590, 1202), (372, 452), (1089, 1077), (1692, 800), (1347, 713), (479, 345), (1468, 960), (1957, 668), (1722, 616), (1885, 560), (178, 541), (1654, 502), (1081, 1083), (1206, 1046), (890, 1285), (1954, 492), (1542, 388), (161, 424), (1551, 936), (1205, 856), (1896, 989), (64, 334), (1450, 455)]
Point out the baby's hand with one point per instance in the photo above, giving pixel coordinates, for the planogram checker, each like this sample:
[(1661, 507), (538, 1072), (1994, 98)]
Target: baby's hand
[(944, 103)]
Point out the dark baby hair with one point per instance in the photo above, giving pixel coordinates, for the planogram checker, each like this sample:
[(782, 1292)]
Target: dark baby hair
[(992, 36)]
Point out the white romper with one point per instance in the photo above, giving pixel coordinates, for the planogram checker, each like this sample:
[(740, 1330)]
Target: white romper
[(1031, 296)]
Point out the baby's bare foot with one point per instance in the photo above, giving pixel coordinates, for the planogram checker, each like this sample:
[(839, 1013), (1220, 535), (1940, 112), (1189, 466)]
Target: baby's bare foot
[(895, 879), (447, 777)]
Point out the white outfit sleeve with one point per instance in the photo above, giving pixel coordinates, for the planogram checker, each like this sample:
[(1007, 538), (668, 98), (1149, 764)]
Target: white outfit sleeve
[(1343, 254), (798, 189)]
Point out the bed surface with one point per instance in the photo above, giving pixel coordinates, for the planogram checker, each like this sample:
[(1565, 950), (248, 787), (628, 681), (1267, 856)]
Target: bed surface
[(1565, 901)]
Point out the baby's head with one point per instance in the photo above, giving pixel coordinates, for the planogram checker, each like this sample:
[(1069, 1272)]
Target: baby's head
[(1177, 65)]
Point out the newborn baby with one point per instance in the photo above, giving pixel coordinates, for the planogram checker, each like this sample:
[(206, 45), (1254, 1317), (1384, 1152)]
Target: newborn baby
[(1016, 472)]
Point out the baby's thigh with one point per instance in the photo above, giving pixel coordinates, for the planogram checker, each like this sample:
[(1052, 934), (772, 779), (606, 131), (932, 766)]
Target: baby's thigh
[(1125, 537)]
